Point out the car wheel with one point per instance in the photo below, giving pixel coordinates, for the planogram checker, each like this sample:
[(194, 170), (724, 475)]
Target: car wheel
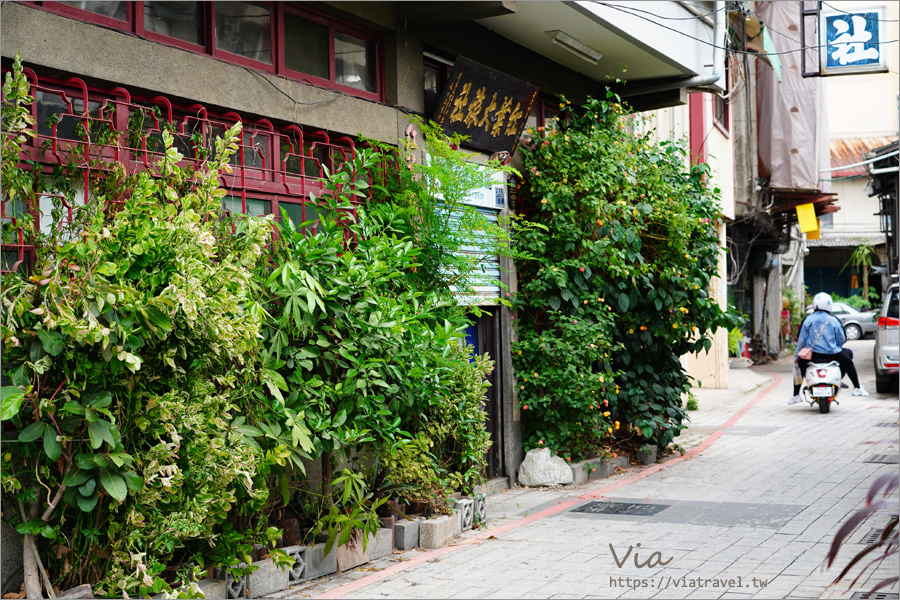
[(853, 332), (883, 385)]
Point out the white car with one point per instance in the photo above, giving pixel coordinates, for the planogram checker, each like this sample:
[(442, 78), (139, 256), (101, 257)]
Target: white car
[(887, 343)]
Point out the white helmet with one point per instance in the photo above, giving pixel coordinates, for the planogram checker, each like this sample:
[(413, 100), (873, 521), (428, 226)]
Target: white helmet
[(822, 301)]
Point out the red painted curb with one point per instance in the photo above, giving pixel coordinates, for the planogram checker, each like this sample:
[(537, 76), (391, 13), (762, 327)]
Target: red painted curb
[(340, 592)]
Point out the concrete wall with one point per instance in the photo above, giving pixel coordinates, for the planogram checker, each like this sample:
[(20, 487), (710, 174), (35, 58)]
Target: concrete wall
[(710, 368), (858, 210), (66, 46)]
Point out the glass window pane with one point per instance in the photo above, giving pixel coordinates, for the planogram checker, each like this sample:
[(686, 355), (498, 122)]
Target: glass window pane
[(181, 20), (354, 62), (52, 107), (255, 207), (113, 10), (306, 46), (245, 29), (294, 211), (432, 88)]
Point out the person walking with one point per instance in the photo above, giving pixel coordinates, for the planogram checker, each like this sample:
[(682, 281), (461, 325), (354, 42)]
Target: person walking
[(824, 333)]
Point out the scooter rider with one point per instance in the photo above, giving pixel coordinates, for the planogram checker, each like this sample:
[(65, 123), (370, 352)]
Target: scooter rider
[(827, 345)]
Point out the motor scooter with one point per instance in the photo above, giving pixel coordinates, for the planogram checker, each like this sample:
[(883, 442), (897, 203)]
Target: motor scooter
[(822, 384)]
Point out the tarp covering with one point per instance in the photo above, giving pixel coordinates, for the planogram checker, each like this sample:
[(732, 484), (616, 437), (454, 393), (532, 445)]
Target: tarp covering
[(793, 131)]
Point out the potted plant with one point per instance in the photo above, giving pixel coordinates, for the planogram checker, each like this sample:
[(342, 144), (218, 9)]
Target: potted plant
[(647, 454)]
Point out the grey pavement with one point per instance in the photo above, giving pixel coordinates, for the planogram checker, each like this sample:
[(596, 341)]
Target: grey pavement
[(749, 512)]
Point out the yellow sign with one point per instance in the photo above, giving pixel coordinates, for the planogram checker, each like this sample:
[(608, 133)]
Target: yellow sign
[(814, 234), (806, 217)]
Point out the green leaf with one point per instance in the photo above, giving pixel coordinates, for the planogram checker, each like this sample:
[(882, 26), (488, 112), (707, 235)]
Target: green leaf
[(624, 302), (74, 477), (52, 341), (48, 532), (73, 407), (133, 481), (32, 432), (88, 487), (87, 504), (113, 483), (157, 318), (554, 302), (52, 447), (99, 432), (12, 398), (285, 489)]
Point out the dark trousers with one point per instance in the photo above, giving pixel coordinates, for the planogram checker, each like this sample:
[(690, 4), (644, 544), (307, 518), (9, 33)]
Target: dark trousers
[(844, 358)]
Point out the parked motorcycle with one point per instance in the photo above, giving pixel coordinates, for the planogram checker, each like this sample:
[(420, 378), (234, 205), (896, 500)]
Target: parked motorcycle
[(822, 384)]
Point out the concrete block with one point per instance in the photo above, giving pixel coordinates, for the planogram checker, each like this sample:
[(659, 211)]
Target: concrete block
[(381, 544), (437, 532), (465, 510), (479, 508), (234, 588), (267, 579), (213, 588), (319, 564), (406, 534), (352, 554), (297, 572), (457, 522), (580, 471)]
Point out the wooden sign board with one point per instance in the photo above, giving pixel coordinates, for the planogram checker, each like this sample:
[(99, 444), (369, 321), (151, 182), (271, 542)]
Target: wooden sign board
[(488, 107)]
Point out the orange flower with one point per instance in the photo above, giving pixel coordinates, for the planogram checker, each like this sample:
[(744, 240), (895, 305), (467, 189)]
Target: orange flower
[(606, 414)]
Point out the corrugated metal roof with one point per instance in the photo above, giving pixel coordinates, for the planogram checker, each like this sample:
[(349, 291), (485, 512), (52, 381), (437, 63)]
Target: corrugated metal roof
[(848, 151), (845, 241)]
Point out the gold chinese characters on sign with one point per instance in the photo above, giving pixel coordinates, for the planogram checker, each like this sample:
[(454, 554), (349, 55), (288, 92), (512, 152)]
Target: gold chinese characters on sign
[(488, 107)]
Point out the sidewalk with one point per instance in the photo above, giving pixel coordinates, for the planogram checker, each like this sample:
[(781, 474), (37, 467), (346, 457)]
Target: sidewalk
[(749, 510)]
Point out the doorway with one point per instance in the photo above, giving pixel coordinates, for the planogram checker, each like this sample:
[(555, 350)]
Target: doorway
[(483, 335)]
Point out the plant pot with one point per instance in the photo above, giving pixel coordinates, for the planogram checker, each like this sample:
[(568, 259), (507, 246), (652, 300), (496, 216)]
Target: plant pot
[(647, 456)]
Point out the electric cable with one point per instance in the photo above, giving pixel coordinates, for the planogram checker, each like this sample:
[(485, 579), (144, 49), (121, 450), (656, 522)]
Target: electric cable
[(629, 9), (866, 18)]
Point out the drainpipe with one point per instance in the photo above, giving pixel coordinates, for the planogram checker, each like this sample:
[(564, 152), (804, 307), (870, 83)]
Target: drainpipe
[(699, 80)]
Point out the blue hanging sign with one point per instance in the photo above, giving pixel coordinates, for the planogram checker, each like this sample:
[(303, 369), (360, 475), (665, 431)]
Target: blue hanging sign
[(853, 41)]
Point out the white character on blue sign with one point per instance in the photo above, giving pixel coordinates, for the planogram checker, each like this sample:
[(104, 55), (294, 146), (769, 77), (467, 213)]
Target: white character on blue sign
[(849, 41)]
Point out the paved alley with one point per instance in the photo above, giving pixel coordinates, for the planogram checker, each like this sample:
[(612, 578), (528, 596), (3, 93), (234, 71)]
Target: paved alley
[(748, 511)]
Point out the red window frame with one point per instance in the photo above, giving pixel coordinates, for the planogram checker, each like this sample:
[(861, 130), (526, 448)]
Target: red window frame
[(135, 25), (88, 16), (275, 46), (140, 30), (333, 26)]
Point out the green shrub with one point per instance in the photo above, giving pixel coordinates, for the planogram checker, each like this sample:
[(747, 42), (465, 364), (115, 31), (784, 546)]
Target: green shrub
[(625, 250), (132, 340)]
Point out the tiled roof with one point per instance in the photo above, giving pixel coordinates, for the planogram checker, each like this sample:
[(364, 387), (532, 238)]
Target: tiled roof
[(845, 241), (848, 151)]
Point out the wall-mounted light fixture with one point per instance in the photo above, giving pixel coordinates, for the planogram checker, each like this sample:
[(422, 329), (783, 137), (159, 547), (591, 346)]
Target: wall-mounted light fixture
[(580, 50)]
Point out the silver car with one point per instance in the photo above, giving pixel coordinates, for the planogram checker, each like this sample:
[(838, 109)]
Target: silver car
[(857, 324), (887, 343)]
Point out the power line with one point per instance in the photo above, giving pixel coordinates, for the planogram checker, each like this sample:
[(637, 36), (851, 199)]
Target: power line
[(859, 15), (674, 18), (627, 11)]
